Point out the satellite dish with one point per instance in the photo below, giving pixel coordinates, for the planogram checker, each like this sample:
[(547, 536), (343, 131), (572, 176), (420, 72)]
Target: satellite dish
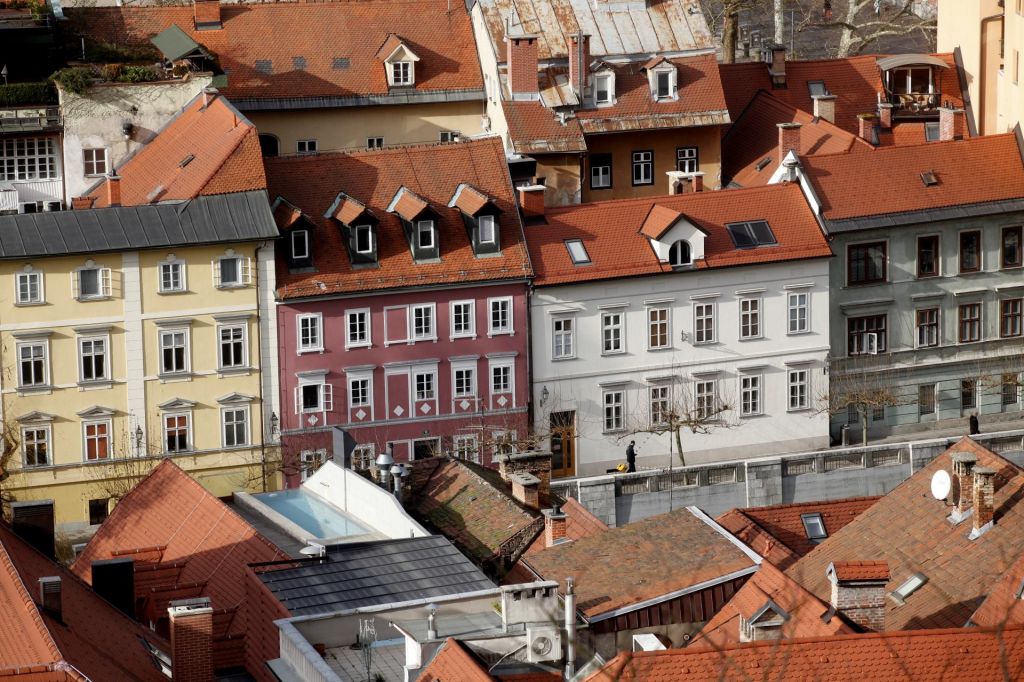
[(941, 484)]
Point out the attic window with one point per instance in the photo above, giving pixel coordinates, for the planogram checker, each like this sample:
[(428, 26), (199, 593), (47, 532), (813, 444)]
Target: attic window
[(577, 252), (814, 526), (299, 63), (929, 179), (340, 63), (816, 88), (186, 161), (265, 65), (751, 234), (931, 132), (401, 73), (909, 586)]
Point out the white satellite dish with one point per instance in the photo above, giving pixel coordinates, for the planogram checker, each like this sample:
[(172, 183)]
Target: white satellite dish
[(941, 484)]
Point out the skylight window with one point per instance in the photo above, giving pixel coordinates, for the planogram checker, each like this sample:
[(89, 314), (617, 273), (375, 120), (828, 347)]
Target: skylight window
[(299, 63), (931, 132), (751, 234), (814, 526), (816, 88), (340, 63), (577, 251), (265, 66), (909, 586), (929, 179)]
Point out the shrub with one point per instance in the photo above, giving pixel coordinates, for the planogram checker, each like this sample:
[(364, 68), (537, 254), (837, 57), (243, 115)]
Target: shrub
[(17, 94), (137, 74), (75, 79)]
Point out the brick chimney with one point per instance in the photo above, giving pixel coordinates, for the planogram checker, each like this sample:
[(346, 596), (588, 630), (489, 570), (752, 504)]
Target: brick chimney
[(885, 115), (522, 67), (113, 189), (531, 200), (858, 591), (825, 107), (697, 180), (525, 490), (207, 15), (555, 522), (789, 139), (533, 462), (579, 62), (963, 468), (866, 130), (775, 57), (951, 123), (191, 640), (984, 500)]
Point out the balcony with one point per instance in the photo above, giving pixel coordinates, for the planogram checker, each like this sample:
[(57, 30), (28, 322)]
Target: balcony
[(912, 83), (29, 119)]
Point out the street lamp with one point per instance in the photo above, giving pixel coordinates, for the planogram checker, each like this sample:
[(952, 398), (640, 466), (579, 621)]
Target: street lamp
[(544, 395)]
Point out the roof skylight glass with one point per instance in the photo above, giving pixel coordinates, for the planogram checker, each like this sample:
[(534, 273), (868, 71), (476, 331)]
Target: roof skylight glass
[(814, 526), (815, 88), (751, 234), (909, 586), (577, 251)]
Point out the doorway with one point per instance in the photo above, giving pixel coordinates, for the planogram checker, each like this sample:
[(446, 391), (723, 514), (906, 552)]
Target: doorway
[(563, 444), (426, 447)]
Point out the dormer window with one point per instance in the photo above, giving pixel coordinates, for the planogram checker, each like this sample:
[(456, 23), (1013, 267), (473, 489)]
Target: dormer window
[(480, 217), (363, 238), (604, 88), (425, 234), (661, 76), (357, 227), (401, 73), (399, 61), (487, 226), (679, 254), (300, 245), (664, 81)]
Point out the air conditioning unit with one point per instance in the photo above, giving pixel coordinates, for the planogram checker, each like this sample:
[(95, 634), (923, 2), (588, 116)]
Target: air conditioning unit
[(543, 643)]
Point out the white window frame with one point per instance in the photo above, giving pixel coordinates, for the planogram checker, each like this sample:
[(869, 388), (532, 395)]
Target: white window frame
[(643, 158), (563, 337), (244, 271), (673, 253), (466, 446), (464, 367), (325, 396), (189, 443), (610, 99), (425, 227), (305, 244), (750, 316), (86, 437), (656, 84), (794, 305), (45, 345), (799, 379), (498, 330), (618, 419), (375, 142), (367, 321), (704, 311), (319, 457), (103, 282), (756, 389), (431, 335), (171, 262), (318, 347), (47, 430), (93, 338), (308, 146), (244, 360), (29, 274), (470, 331), (503, 364), (187, 350), (246, 424), (364, 456), (97, 171), (427, 396), (400, 73), (365, 400), (492, 222), (368, 229), (28, 158), (659, 398), (668, 326), (613, 321), (703, 411)]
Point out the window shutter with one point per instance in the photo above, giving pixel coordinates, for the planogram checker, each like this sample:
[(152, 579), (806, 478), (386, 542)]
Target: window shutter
[(74, 284), (105, 277), (215, 269), (328, 398), (246, 264), (298, 404)]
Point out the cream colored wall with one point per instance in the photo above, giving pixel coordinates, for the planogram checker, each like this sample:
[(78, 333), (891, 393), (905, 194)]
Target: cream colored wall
[(492, 82), (1010, 103), (348, 128), (963, 24)]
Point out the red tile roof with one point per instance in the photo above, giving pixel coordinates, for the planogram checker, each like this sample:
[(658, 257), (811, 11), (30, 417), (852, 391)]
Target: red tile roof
[(1004, 604), (535, 129), (888, 180), (303, 43), (189, 539), (453, 662), (91, 635), (203, 150), (860, 571), (609, 231), (777, 532), (625, 566), (966, 655), (909, 529), (433, 172), (806, 613), (579, 524)]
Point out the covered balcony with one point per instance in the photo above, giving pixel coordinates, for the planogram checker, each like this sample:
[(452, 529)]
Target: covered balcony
[(913, 83)]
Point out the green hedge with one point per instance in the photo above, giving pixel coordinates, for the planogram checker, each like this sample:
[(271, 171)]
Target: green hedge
[(17, 94)]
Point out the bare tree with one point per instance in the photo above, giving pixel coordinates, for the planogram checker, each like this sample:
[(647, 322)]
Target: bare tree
[(864, 385), (10, 444), (862, 23)]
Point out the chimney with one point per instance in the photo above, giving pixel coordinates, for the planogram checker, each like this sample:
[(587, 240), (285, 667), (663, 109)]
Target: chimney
[(789, 139), (522, 67), (531, 200), (207, 15), (951, 123), (80, 203), (191, 640), (885, 115), (825, 107), (791, 167), (525, 490), (50, 595), (867, 131), (963, 467), (984, 494), (698, 181), (858, 591), (33, 523), (209, 94), (555, 522), (113, 189), (579, 62), (775, 57)]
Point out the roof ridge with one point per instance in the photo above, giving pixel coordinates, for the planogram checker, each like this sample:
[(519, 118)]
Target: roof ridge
[(386, 151), (895, 148), (789, 505)]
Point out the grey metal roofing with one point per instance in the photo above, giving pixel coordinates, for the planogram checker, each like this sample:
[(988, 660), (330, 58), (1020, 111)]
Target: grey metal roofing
[(926, 216), (174, 44), (375, 573), (243, 216)]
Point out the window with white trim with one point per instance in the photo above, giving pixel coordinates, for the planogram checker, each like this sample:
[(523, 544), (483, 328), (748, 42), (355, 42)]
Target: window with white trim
[(364, 238), (563, 334), (232, 271), (705, 395), (500, 318), (310, 462), (364, 456), (611, 333), (376, 142), (664, 84), (679, 254), (33, 365), (177, 429), (96, 437), (174, 351), (29, 158), (466, 446), (600, 171), (92, 282), (614, 415), (94, 162), (643, 168), (92, 358), (424, 382), (401, 73), (687, 160), (799, 319), (233, 346), (464, 382), (172, 276), (357, 328), (314, 397), (487, 225), (305, 146), (799, 389), (750, 395), (359, 392), (750, 318), (704, 322), (309, 329), (501, 378), (604, 88), (463, 319), (235, 426), (505, 442), (29, 286), (423, 322), (300, 244), (35, 445), (659, 405), (657, 328), (425, 234)]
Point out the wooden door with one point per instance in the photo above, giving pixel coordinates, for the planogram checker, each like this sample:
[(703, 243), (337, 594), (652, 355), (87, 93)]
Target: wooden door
[(563, 444)]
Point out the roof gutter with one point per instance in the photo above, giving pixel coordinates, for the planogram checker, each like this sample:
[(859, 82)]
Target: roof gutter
[(366, 100)]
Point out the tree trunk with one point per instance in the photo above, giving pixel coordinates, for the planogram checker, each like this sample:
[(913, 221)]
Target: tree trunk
[(730, 29), (864, 426), (779, 14), (679, 447)]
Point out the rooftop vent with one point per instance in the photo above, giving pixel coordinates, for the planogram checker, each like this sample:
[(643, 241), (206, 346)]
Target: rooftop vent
[(265, 65), (929, 179), (762, 163), (340, 63), (186, 161), (50, 595)]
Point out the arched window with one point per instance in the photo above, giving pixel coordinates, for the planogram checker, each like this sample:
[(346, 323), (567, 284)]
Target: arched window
[(679, 254), (269, 145)]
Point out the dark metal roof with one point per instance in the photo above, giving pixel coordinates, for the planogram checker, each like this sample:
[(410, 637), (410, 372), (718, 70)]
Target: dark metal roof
[(175, 44), (243, 216), (374, 573), (926, 216)]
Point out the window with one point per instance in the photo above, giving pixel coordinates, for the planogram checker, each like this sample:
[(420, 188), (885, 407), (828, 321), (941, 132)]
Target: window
[(487, 225), (799, 321), (29, 158), (866, 263), (799, 395), (375, 142), (173, 351), (659, 405), (465, 382), (657, 328), (1010, 317), (926, 399), (751, 234), (94, 162), (1008, 389), (423, 322), (232, 346), (305, 146), (35, 445), (300, 244), (92, 282), (1011, 247), (563, 338), (927, 327), (449, 136), (603, 88), (314, 397), (176, 428), (229, 272), (750, 318), (357, 328), (663, 85), (705, 399), (308, 328), (425, 234), (577, 252), (465, 446), (750, 395), (704, 323), (970, 251), (359, 392), (97, 440), (970, 322), (92, 358), (866, 335), (916, 80), (501, 378), (310, 461), (98, 511), (29, 287), (611, 333), (364, 239), (968, 394), (686, 160), (816, 88), (613, 412), (500, 319), (679, 254), (401, 73), (424, 385), (928, 256), (172, 276), (814, 527), (600, 171), (878, 414), (32, 364), (463, 322), (643, 168), (932, 132), (909, 586)]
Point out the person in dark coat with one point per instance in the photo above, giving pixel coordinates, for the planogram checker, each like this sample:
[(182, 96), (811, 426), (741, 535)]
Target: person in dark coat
[(630, 457), (975, 428)]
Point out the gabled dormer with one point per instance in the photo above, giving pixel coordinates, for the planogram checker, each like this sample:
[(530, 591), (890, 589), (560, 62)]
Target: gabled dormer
[(420, 223), (663, 79), (675, 240), (399, 62), (764, 624), (602, 84), (296, 233), (358, 225), (480, 216)]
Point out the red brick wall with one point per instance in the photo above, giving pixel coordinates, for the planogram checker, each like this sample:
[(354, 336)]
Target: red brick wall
[(861, 604), (522, 65), (191, 646), (262, 642)]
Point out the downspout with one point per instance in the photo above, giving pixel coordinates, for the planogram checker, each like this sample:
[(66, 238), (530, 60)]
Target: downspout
[(570, 629), (259, 354)]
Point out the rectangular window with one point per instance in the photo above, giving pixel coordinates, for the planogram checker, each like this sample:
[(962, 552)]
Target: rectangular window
[(232, 346), (704, 323), (465, 382), (577, 251), (664, 84), (176, 427), (927, 327), (970, 322), (866, 335), (602, 89), (463, 322), (98, 510), (172, 276), (229, 270), (364, 238), (94, 162), (29, 158), (1011, 248), (1010, 317), (600, 171), (657, 328), (35, 445), (613, 412), (866, 263), (424, 386), (93, 283), (799, 320), (750, 318), (311, 397), (235, 423), (799, 393), (308, 328), (705, 399), (465, 446), (611, 333), (423, 322), (686, 160), (970, 251), (750, 395), (1008, 389), (814, 527), (501, 378), (306, 146), (643, 168), (173, 351), (310, 461), (878, 414), (928, 256), (968, 394), (751, 234), (32, 364), (425, 234), (449, 136), (500, 318), (563, 338), (97, 440), (30, 287), (659, 405), (375, 142), (300, 245), (359, 392), (92, 358), (357, 328), (401, 73), (926, 399), (487, 226)]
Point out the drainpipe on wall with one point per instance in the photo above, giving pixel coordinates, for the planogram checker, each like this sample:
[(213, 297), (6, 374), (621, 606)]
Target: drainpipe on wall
[(259, 354), (570, 629)]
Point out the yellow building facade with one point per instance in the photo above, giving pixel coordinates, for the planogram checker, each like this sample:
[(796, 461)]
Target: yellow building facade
[(114, 359)]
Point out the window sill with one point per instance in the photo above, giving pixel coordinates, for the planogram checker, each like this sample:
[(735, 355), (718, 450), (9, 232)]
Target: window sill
[(606, 353), (462, 336), (431, 339), (750, 338), (660, 349), (232, 371), (41, 388), (95, 384), (358, 346), (568, 357), (307, 351), (706, 343), (232, 286), (795, 410), (29, 304), (174, 377), (643, 184), (88, 299), (753, 416), (613, 431), (803, 333), (491, 335), (173, 292)]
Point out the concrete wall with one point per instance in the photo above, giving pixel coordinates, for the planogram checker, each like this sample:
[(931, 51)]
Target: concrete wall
[(1010, 80)]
